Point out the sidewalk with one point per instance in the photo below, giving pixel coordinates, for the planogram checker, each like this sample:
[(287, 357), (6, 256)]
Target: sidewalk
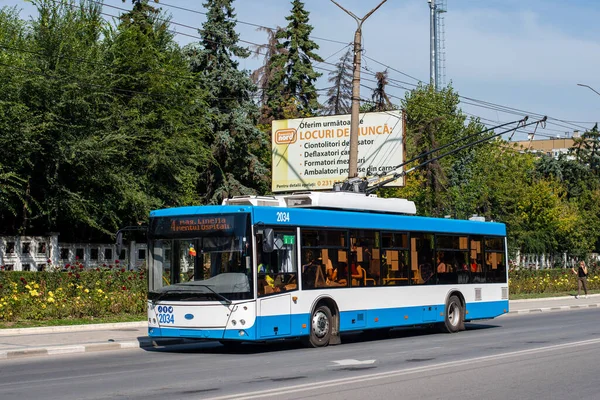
[(53, 340), (45, 341)]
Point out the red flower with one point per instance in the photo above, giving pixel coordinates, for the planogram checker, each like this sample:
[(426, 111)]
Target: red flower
[(117, 261), (129, 277), (49, 261), (97, 269), (124, 288), (77, 276), (67, 266), (72, 267), (122, 269), (70, 273), (77, 257), (104, 265), (80, 266), (110, 267)]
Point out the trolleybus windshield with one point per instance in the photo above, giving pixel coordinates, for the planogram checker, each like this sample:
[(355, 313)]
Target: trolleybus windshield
[(200, 258)]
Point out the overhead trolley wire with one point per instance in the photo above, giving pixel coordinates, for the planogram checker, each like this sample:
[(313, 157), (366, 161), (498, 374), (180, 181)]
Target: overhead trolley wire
[(397, 175)]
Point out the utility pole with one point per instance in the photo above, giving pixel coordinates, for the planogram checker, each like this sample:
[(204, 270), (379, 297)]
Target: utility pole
[(354, 119), (589, 87), (432, 45)]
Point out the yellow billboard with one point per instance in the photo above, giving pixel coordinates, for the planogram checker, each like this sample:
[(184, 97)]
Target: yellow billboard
[(314, 153)]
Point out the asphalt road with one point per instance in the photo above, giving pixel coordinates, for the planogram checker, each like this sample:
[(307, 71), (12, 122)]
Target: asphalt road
[(531, 356)]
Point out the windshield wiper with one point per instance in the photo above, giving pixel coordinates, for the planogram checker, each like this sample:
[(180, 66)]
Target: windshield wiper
[(175, 291), (166, 292), (225, 299)]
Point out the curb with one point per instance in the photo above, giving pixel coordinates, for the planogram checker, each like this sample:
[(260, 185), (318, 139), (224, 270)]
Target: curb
[(551, 298), (546, 309), (87, 348), (71, 328)]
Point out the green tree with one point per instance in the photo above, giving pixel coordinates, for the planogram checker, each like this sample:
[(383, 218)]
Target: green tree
[(339, 94), (265, 73), (381, 101), (106, 123), (292, 92), (434, 119), (157, 113), (58, 94), (16, 120), (587, 149), (234, 139), (579, 230)]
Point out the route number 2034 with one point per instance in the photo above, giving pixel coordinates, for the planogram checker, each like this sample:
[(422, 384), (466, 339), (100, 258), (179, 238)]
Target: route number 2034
[(283, 217)]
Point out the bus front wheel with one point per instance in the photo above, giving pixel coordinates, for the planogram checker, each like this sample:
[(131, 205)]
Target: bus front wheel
[(320, 327), (453, 317)]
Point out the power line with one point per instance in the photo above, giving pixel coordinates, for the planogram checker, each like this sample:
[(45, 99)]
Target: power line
[(500, 107), (482, 104), (246, 23)]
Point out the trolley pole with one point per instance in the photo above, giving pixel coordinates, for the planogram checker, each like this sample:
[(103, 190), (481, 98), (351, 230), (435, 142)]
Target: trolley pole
[(354, 119)]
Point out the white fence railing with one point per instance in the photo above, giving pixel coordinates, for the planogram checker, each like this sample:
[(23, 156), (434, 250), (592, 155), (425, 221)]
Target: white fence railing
[(36, 253), (545, 261)]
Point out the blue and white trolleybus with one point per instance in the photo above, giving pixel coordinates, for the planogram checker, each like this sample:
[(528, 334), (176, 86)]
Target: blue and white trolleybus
[(313, 265)]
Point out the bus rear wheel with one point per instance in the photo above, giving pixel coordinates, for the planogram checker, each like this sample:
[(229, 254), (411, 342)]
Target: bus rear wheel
[(453, 316), (320, 327)]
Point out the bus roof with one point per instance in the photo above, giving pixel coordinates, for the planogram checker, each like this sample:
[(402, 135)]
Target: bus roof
[(332, 219)]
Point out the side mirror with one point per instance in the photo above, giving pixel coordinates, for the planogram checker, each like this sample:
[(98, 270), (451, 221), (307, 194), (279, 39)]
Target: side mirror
[(268, 240)]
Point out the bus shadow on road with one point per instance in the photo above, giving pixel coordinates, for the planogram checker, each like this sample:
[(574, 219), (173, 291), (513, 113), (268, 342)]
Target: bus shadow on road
[(215, 347)]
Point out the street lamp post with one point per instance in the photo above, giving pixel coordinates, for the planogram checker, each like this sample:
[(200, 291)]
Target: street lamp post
[(589, 87)]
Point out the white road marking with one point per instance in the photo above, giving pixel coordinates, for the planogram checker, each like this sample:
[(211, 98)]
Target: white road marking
[(350, 361), (383, 375)]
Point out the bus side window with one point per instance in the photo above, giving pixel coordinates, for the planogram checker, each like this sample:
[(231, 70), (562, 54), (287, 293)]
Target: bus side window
[(277, 264)]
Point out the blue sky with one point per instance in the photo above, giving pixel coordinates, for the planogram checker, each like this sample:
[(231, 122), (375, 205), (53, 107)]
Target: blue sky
[(524, 55)]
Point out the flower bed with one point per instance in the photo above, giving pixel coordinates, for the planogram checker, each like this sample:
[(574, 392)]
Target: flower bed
[(526, 281), (72, 292), (75, 292)]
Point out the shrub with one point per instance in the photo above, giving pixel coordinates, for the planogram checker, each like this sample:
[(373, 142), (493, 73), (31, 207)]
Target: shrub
[(526, 281), (73, 292)]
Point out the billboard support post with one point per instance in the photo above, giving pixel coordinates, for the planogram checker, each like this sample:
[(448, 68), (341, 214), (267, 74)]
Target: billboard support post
[(354, 124)]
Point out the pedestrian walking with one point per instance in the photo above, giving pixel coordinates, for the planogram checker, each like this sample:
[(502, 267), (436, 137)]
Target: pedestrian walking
[(581, 273)]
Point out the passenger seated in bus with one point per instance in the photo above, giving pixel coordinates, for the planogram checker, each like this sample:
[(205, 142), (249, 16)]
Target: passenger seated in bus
[(264, 272), (310, 272), (474, 266), (426, 271), (340, 274), (441, 266), (329, 270), (308, 260), (358, 275)]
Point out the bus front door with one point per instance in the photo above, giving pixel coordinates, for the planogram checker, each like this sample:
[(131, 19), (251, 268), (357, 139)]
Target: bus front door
[(275, 316)]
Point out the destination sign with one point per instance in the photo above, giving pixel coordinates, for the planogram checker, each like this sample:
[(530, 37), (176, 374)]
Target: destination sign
[(198, 226), (202, 224)]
